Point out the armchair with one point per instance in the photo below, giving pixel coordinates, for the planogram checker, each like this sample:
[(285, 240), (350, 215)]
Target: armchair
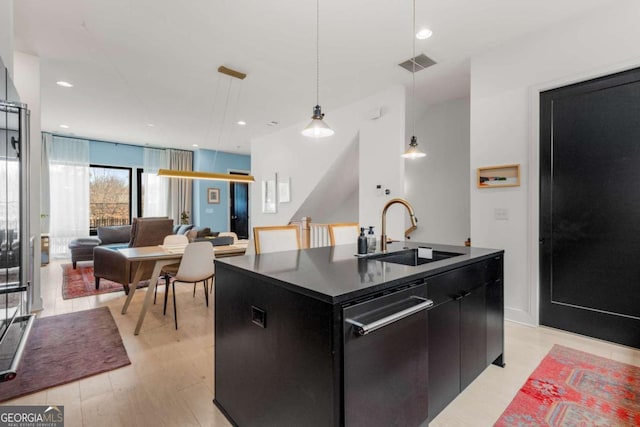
[(111, 265)]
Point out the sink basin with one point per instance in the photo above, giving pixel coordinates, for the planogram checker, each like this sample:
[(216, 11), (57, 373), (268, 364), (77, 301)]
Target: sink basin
[(410, 257)]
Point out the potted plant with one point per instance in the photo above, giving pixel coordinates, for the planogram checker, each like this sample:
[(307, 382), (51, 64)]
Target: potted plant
[(184, 217)]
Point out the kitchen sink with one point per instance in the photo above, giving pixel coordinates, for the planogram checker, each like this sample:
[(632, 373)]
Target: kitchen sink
[(410, 257)]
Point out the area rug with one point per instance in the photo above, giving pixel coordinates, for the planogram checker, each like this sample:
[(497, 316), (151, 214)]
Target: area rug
[(572, 388), (65, 348), (80, 282)]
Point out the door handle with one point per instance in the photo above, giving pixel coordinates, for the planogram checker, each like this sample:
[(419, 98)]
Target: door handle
[(460, 296), (364, 329)]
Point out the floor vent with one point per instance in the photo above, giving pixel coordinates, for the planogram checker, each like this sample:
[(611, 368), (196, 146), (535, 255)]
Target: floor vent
[(422, 61)]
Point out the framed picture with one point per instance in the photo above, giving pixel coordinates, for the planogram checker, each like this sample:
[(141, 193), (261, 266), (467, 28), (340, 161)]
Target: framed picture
[(213, 195), (284, 190), (269, 195)]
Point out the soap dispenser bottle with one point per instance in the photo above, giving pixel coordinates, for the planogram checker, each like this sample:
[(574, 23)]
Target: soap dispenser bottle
[(362, 242), (371, 240)]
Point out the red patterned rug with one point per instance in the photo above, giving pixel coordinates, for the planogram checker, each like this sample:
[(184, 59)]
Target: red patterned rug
[(79, 282), (572, 388)]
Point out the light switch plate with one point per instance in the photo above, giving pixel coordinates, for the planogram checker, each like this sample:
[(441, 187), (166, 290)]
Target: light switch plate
[(501, 214)]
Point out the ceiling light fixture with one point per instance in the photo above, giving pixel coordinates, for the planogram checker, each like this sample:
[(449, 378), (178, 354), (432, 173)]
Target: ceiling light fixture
[(64, 84), (317, 128), (424, 34), (194, 145), (213, 176), (64, 126), (413, 152), (241, 122)]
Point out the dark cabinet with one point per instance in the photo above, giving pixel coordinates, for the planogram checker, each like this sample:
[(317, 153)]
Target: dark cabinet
[(465, 328), (399, 350), (444, 356), (394, 356)]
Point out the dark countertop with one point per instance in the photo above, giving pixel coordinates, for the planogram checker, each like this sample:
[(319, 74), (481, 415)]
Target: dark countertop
[(333, 274)]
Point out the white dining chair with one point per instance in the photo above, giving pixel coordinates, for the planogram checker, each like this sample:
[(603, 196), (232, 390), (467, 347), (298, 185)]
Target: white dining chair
[(170, 240), (195, 266), (251, 247), (343, 233), (276, 238)]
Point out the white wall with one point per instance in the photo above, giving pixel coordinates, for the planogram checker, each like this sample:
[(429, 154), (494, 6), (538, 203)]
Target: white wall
[(305, 160), (27, 82), (505, 86), (438, 186)]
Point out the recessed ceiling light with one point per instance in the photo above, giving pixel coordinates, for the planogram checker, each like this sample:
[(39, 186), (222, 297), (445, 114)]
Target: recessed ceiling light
[(151, 125), (424, 34), (194, 145), (241, 122), (272, 123), (64, 84), (64, 126)]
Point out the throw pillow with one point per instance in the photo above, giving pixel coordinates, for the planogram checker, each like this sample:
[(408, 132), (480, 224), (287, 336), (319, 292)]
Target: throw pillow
[(117, 234)]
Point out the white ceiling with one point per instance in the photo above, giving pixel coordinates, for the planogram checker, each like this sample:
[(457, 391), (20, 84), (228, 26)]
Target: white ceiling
[(136, 62)]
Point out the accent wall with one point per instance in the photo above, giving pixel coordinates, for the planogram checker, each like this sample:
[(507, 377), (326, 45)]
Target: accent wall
[(216, 216)]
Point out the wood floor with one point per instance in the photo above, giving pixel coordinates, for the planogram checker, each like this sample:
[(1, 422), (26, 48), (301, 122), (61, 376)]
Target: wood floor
[(170, 380)]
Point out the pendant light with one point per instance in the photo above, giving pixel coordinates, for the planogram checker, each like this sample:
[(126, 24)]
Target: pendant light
[(317, 128), (214, 176), (413, 152)]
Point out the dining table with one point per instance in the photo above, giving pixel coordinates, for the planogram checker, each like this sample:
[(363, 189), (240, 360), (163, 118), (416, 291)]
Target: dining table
[(161, 256)]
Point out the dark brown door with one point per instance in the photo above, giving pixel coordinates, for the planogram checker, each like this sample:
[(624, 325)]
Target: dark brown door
[(590, 208)]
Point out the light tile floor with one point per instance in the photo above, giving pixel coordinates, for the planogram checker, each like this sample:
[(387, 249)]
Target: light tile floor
[(170, 379)]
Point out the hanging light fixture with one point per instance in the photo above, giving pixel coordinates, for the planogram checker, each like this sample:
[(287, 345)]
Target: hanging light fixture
[(169, 173), (413, 152), (317, 128), (205, 175)]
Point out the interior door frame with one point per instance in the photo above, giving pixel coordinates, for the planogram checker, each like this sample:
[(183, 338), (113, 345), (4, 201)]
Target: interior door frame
[(240, 171), (533, 174)]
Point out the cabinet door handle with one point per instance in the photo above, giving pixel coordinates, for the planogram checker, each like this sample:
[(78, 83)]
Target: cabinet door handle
[(364, 329), (460, 296)]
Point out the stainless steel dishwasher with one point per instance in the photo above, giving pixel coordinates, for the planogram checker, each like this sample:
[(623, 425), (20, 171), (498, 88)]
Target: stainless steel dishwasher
[(386, 358)]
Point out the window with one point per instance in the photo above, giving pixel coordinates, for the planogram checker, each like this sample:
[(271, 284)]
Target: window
[(109, 196)]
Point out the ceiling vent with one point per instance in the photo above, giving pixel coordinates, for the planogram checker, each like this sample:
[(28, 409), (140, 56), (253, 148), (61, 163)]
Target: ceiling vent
[(422, 61)]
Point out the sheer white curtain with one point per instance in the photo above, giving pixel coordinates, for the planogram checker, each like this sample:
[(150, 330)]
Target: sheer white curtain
[(155, 188), (69, 191), (180, 190)]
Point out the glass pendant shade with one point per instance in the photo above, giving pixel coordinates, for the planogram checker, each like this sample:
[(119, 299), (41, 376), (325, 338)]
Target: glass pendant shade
[(413, 152), (317, 128)]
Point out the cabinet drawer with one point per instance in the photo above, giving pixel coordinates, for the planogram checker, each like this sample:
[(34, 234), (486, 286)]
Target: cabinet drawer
[(453, 284)]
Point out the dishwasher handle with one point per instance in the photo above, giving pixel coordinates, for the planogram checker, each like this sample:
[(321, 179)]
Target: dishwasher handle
[(364, 329)]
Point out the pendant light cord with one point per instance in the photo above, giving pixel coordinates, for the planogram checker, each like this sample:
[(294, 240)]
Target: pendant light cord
[(317, 52), (413, 74), (224, 115)]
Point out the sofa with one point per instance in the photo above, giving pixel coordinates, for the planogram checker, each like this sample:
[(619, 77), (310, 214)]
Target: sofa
[(199, 234), (110, 237), (110, 264)]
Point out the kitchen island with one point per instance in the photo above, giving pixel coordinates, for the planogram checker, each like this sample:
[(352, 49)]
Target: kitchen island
[(322, 337)]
